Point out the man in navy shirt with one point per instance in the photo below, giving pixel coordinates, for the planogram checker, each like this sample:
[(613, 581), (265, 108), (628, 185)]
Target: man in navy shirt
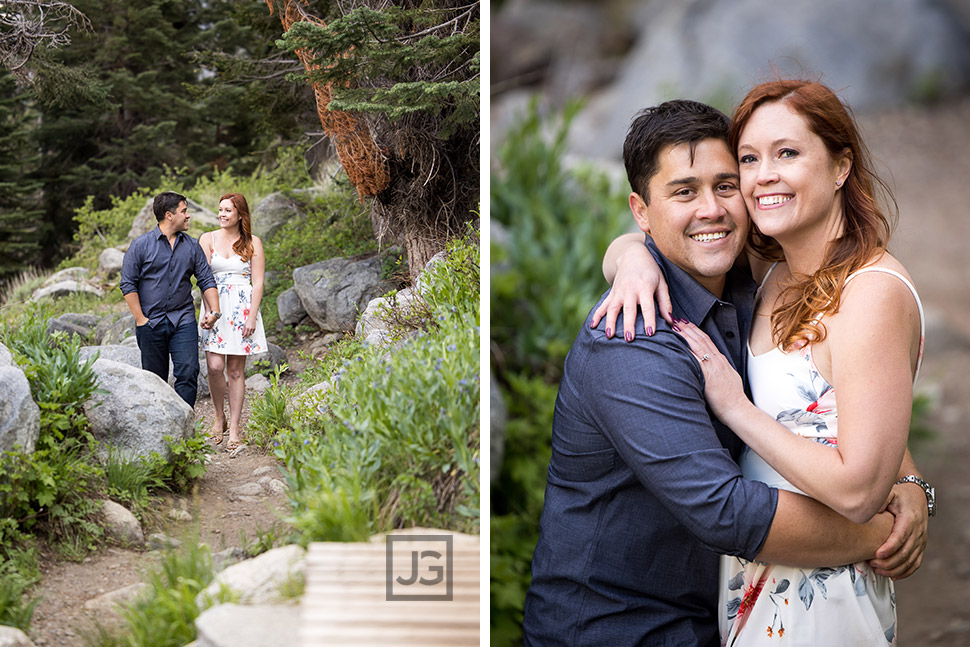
[(643, 489), (156, 281)]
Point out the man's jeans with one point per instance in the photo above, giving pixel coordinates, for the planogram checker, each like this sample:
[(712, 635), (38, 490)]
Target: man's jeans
[(182, 343)]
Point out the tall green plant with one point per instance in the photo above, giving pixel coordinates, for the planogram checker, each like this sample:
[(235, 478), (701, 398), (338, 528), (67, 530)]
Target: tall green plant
[(399, 442), (546, 271)]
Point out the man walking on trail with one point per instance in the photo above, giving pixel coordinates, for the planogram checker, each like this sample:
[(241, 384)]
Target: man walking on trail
[(156, 281)]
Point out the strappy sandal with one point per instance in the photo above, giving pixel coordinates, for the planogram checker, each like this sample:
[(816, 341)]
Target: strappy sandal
[(217, 439)]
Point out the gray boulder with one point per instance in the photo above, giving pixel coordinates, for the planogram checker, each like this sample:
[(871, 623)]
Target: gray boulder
[(65, 288), (110, 261), (74, 323), (19, 415), (878, 53), (258, 580), (265, 362), (234, 625), (272, 212), (145, 220), (6, 358), (121, 525), (290, 308), (13, 637), (335, 291), (138, 411), (114, 352), (67, 274), (115, 328)]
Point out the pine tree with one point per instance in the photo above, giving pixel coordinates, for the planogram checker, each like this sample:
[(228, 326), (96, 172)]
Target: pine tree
[(19, 195), (397, 87), (129, 98)]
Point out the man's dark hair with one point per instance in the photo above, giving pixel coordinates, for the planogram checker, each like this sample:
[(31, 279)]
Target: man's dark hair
[(673, 122), (165, 202)]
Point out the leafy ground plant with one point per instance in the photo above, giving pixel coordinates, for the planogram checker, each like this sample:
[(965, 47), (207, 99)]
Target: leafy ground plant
[(399, 444), (164, 616)]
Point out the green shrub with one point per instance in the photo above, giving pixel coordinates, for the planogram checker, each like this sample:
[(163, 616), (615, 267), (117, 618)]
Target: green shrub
[(131, 482), (399, 444), (54, 487), (164, 616), (547, 275), (16, 607), (186, 461), (269, 413)]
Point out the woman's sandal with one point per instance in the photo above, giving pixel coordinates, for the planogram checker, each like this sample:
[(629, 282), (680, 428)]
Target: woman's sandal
[(233, 445), (217, 440)]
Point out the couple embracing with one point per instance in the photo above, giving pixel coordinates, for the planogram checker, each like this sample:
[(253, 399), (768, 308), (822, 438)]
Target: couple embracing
[(736, 472)]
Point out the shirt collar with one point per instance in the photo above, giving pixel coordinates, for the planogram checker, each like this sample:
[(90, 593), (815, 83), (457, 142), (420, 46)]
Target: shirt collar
[(691, 300), (160, 234)]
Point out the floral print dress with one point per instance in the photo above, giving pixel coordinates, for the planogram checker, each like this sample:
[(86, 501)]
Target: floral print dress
[(233, 280), (768, 604)]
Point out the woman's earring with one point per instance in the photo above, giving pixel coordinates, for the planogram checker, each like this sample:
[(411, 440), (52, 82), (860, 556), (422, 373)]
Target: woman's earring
[(838, 183)]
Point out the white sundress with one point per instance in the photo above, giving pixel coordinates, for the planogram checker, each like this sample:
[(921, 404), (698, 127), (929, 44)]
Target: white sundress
[(769, 604), (233, 280)]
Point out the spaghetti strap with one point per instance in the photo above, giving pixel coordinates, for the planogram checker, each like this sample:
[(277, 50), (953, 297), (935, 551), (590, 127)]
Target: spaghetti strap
[(919, 306), (767, 274)]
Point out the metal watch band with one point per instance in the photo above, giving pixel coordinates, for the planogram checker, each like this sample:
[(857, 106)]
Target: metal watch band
[(928, 489)]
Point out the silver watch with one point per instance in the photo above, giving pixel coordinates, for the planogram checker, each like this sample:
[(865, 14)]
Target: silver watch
[(927, 488)]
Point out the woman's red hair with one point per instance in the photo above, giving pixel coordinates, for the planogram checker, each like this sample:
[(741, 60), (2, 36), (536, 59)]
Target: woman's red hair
[(243, 246), (866, 229)]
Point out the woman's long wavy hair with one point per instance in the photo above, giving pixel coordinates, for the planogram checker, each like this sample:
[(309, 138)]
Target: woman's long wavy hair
[(866, 227), (243, 246)]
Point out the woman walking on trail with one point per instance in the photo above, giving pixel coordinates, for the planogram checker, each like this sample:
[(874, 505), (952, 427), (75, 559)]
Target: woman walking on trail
[(238, 265)]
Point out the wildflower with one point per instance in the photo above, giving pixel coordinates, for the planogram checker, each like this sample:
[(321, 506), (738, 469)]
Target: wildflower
[(452, 348)]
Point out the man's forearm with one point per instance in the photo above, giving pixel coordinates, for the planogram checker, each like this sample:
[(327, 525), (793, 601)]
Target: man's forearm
[(211, 297), (807, 534), (134, 304)]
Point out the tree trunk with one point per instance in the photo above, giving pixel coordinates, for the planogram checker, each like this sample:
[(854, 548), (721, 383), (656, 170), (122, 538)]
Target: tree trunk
[(420, 249)]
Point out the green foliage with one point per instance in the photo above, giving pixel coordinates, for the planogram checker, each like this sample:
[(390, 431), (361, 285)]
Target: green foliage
[(130, 482), (20, 231), (52, 487), (274, 536), (399, 442), (395, 43), (143, 90), (269, 415), (517, 502), (98, 229), (16, 607), (164, 616), (185, 464), (545, 277), (560, 222)]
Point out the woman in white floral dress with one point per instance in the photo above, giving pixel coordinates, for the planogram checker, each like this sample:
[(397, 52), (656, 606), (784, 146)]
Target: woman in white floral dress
[(238, 265)]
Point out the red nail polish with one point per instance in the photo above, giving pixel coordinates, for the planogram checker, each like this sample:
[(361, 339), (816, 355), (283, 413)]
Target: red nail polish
[(609, 332), (674, 326), (649, 331), (628, 336)]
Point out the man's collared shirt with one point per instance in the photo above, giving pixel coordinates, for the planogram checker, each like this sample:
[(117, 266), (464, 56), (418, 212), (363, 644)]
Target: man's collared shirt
[(161, 275), (644, 491)]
